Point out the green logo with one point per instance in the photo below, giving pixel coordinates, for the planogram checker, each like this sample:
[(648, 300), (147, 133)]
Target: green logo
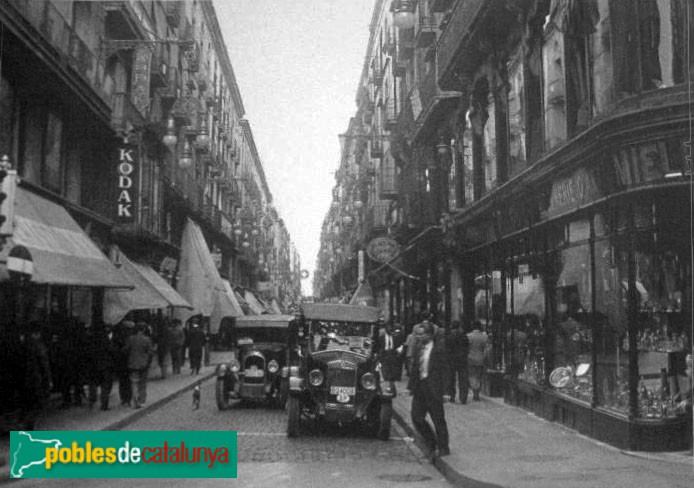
[(132, 454)]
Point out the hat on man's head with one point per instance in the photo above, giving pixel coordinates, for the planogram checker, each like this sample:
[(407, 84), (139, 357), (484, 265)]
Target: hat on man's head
[(128, 324)]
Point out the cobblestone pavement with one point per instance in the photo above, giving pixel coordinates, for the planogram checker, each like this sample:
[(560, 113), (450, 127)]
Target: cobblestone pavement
[(261, 433)]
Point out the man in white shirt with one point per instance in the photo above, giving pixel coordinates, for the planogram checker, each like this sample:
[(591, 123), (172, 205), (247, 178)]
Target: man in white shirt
[(430, 377)]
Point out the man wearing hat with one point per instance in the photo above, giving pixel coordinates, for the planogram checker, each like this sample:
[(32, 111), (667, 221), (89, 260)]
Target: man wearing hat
[(120, 337), (140, 349)]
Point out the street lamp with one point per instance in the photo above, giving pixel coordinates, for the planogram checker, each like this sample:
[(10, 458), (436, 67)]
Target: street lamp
[(403, 18), (186, 160), (202, 140), (170, 140)]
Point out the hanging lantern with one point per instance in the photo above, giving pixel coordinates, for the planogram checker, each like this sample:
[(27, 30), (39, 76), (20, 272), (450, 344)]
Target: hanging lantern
[(186, 160), (246, 244), (170, 140), (237, 231), (255, 231), (347, 219), (358, 204), (403, 18)]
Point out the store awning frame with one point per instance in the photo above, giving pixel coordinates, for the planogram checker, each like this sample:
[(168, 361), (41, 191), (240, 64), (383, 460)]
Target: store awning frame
[(61, 251)]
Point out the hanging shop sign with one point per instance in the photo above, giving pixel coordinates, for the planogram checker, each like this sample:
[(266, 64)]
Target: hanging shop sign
[(643, 163), (573, 191), (142, 60), (383, 249), (126, 170)]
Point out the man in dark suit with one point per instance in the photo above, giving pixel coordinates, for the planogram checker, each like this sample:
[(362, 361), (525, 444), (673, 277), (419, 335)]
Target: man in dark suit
[(430, 378), (389, 341), (140, 349)]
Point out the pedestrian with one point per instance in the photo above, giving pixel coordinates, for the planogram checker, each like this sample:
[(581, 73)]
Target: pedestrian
[(389, 348), (458, 347), (163, 334), (140, 351), (479, 342), (120, 338), (430, 379), (103, 354), (177, 340), (37, 378), (196, 342)]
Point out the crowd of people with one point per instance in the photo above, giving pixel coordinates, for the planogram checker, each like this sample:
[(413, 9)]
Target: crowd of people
[(80, 363)]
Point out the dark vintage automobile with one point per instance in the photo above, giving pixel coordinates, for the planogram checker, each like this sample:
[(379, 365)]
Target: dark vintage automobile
[(261, 347), (336, 378)]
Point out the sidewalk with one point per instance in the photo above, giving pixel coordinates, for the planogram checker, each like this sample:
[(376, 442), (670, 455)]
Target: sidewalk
[(159, 392), (496, 445)]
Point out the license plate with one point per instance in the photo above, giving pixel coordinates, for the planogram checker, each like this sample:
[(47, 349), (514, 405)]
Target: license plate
[(345, 390)]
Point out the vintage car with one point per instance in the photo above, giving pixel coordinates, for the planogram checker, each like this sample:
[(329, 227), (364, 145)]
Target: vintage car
[(336, 378), (261, 348)]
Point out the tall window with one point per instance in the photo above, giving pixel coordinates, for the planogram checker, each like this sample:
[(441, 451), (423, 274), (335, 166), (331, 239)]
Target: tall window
[(42, 159)]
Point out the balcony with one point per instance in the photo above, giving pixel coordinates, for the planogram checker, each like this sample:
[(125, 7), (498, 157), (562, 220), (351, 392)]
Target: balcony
[(440, 5), (425, 32), (68, 48), (376, 147), (429, 103), (125, 111), (456, 36), (405, 50), (391, 114), (387, 182)]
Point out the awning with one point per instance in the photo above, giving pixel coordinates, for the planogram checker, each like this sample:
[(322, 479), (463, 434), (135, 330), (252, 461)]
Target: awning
[(275, 306), (253, 302), (151, 291), (200, 282), (62, 253), (244, 304), (225, 305)]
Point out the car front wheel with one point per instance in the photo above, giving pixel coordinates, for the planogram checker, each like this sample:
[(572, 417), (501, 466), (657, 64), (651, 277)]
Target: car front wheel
[(385, 416), (222, 394), (293, 416)]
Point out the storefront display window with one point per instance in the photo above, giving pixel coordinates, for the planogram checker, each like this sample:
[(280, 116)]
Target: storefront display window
[(525, 312), (572, 333)]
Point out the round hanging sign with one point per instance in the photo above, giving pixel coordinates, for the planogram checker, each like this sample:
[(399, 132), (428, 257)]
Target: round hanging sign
[(304, 274), (383, 249)]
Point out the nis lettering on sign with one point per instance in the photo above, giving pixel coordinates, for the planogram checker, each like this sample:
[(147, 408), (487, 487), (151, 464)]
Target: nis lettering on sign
[(126, 176)]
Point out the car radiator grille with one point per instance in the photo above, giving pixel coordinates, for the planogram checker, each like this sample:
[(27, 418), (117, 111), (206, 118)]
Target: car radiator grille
[(254, 369)]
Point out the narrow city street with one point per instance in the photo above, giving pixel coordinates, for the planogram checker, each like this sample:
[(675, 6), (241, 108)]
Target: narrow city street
[(267, 458)]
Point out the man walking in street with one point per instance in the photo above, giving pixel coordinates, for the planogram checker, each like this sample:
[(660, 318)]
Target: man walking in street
[(37, 378), (430, 379), (102, 355), (177, 340), (139, 349), (458, 345), (478, 345), (196, 342)]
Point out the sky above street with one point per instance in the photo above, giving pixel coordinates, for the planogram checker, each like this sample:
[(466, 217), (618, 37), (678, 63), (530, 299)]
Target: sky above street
[(297, 64)]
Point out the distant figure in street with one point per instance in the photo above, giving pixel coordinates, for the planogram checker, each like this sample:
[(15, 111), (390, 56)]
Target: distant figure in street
[(163, 334), (196, 397), (475, 359), (389, 347), (120, 338), (102, 355), (37, 377), (458, 346), (140, 350), (430, 377), (196, 342), (177, 339)]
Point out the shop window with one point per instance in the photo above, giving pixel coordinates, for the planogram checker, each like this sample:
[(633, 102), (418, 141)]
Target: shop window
[(649, 38), (603, 78), (42, 143), (554, 90), (525, 308), (572, 334), (516, 116)]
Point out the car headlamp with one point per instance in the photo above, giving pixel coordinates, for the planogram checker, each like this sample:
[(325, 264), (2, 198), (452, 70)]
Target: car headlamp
[(273, 366), (368, 381), (234, 366), (315, 377)]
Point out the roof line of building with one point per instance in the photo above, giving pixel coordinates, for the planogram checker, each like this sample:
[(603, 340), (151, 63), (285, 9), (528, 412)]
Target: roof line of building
[(256, 157), (223, 55)]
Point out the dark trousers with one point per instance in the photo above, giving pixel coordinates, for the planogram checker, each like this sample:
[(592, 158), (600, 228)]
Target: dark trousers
[(423, 402), (195, 359), (103, 380), (138, 380), (125, 391), (459, 376), (176, 358)]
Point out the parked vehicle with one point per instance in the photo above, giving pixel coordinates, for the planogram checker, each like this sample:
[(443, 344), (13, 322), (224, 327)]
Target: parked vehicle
[(336, 378), (261, 345)]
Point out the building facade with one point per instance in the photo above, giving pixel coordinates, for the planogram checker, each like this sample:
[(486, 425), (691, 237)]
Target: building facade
[(125, 125), (543, 160)]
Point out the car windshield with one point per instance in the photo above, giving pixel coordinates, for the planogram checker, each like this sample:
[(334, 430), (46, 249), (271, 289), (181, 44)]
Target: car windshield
[(344, 336), (247, 336)]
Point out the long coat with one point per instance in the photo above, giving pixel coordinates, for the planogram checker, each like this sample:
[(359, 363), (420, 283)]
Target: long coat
[(478, 345), (140, 349)]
